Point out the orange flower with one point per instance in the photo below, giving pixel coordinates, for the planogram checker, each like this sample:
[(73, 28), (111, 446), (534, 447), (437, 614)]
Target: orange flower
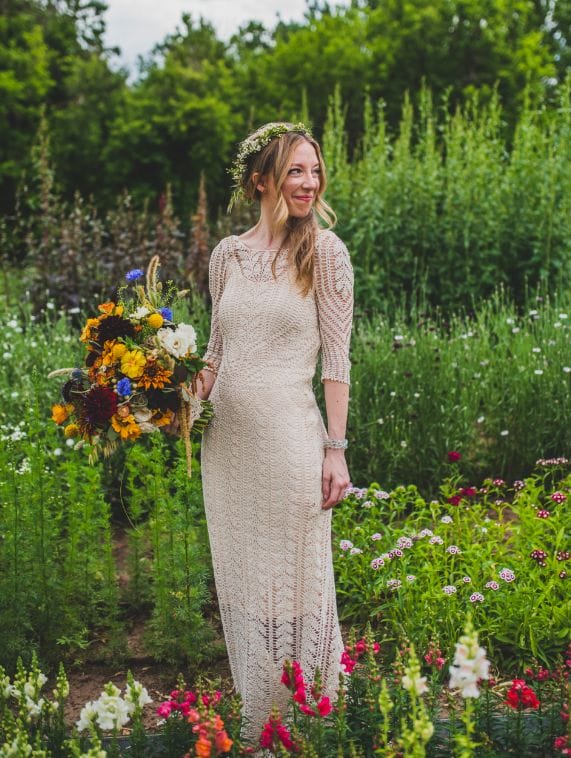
[(90, 325), (162, 418), (223, 742), (107, 307), (60, 413), (203, 747), (126, 427), (154, 375)]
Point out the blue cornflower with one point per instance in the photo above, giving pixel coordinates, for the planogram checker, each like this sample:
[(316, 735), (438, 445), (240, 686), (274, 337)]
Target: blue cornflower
[(166, 313), (124, 387), (134, 274)]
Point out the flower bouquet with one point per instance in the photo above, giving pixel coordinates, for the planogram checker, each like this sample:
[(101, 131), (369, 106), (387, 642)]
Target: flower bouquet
[(139, 372)]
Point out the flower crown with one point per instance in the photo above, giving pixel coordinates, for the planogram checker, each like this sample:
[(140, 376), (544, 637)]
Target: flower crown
[(252, 145)]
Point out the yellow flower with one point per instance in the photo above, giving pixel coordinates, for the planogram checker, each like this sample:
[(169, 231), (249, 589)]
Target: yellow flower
[(71, 430), (60, 413), (155, 320), (92, 323), (126, 427), (133, 364), (119, 351)]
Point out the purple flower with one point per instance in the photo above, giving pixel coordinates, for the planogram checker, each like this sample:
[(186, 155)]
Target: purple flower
[(134, 274), (507, 575), (166, 313), (345, 544), (381, 495), (376, 536), (446, 519), (450, 589), (453, 550), (394, 584), (410, 577), (492, 586), (436, 540), (404, 542), (477, 597), (466, 580), (425, 533), (377, 563)]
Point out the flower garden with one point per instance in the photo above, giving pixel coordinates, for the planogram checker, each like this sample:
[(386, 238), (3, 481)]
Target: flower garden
[(453, 597)]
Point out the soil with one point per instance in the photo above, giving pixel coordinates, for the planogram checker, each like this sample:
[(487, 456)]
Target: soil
[(86, 680)]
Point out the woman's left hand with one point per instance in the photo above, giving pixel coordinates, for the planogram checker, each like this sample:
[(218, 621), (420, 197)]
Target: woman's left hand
[(335, 477)]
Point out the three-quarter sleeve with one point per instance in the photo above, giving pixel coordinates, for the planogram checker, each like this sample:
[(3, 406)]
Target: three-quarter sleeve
[(216, 281), (333, 279)]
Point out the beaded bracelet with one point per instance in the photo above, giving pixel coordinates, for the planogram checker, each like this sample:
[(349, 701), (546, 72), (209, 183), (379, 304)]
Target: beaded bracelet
[(335, 444)]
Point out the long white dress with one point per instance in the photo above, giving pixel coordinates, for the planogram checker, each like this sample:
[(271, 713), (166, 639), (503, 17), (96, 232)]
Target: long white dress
[(262, 457)]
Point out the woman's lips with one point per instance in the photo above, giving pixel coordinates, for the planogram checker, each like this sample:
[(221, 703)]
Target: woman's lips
[(303, 198)]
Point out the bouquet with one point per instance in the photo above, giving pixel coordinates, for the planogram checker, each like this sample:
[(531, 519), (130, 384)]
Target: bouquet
[(139, 371)]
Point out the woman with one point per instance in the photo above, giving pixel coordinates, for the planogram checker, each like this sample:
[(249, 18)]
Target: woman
[(271, 472)]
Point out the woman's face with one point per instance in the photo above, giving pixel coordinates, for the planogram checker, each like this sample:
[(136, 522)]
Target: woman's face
[(302, 181)]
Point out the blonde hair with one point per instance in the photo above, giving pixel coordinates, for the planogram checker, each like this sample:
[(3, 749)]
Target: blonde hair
[(273, 162)]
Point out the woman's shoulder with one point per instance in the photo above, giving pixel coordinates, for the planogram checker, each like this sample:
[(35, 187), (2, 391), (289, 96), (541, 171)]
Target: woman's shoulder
[(223, 248), (330, 245)]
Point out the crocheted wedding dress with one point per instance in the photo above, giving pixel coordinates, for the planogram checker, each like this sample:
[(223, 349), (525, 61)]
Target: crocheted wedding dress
[(262, 457)]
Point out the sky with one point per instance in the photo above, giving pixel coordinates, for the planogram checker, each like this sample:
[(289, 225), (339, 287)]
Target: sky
[(136, 25)]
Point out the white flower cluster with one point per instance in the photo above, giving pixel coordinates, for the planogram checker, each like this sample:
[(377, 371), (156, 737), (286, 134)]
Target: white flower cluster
[(470, 664), (179, 342), (112, 711)]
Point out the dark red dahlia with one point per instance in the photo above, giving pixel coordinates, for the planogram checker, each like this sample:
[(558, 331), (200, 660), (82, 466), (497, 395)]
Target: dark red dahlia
[(113, 327), (99, 404)]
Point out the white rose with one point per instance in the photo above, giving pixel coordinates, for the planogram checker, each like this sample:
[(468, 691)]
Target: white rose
[(178, 342)]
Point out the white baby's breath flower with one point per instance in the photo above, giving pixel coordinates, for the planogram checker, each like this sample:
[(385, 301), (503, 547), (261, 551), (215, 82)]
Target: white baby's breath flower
[(504, 433), (567, 369)]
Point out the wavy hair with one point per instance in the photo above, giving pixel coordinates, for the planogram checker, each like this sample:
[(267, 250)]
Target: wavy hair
[(273, 162)]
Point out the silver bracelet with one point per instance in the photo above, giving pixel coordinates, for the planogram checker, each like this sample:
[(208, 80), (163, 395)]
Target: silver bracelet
[(336, 444)]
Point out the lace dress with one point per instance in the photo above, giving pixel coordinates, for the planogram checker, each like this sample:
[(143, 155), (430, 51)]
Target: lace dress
[(262, 458)]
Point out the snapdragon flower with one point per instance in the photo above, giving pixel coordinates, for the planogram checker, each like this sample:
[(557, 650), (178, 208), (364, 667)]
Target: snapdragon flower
[(470, 664)]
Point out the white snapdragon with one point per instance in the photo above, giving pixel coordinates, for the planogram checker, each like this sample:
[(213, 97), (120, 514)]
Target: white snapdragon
[(87, 716), (136, 696), (412, 681), (178, 342), (470, 664)]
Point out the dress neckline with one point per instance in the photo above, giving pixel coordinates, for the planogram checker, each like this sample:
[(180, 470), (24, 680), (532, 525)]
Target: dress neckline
[(252, 250)]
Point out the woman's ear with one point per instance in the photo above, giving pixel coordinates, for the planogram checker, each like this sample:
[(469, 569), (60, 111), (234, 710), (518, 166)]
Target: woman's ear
[(259, 182)]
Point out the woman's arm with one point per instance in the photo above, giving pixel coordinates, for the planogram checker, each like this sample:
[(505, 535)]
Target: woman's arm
[(333, 278), (335, 474)]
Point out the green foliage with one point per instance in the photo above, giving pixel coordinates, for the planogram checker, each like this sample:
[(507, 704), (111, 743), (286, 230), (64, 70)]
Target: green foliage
[(467, 546), (495, 386), (445, 212)]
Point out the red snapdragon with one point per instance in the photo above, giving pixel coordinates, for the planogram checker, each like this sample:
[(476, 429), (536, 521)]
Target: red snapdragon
[(520, 695)]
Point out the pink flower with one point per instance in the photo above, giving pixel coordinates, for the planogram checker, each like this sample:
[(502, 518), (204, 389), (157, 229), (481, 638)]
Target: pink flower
[(455, 500), (324, 706), (165, 709), (304, 708), (498, 482), (543, 514), (468, 491), (559, 497), (454, 456)]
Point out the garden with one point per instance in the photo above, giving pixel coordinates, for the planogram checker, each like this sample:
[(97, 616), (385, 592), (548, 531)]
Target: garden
[(451, 546)]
